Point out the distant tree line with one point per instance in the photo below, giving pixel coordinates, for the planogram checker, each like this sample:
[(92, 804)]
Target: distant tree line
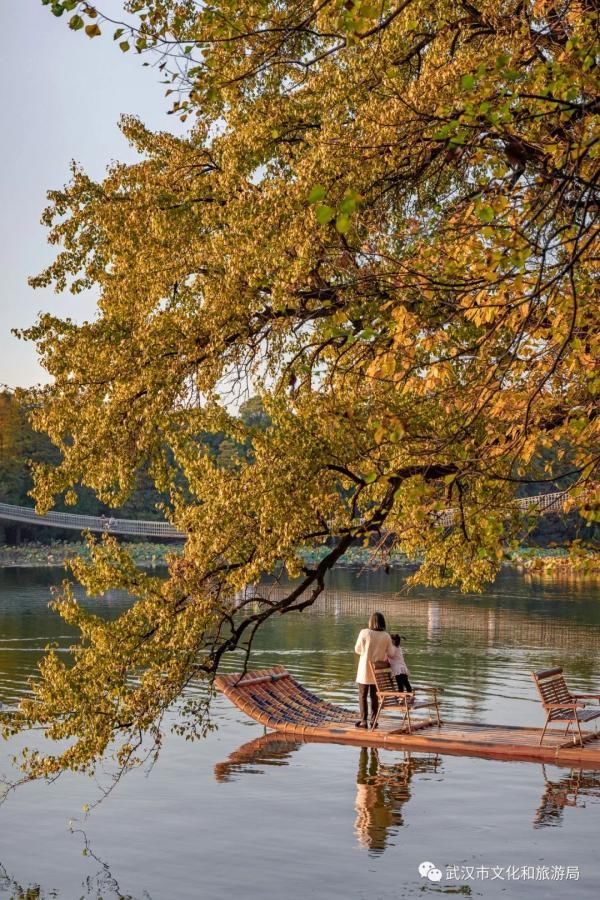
[(21, 447)]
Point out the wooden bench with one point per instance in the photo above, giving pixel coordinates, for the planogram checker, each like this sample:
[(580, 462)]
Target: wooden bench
[(563, 706), (391, 698)]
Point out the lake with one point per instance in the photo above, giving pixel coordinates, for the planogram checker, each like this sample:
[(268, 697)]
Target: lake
[(241, 814)]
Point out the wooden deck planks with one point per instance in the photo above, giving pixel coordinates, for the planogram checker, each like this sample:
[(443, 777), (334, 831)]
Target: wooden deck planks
[(273, 698)]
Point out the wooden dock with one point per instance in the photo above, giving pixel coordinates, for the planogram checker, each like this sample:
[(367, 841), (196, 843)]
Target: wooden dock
[(280, 703)]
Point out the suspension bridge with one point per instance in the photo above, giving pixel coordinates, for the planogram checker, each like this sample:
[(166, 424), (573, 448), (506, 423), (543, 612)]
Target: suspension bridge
[(539, 504), (101, 524)]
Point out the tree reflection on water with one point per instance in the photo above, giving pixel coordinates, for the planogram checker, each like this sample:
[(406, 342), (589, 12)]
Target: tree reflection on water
[(101, 885)]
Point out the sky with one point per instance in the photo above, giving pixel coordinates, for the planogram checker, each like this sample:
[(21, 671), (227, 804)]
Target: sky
[(61, 97)]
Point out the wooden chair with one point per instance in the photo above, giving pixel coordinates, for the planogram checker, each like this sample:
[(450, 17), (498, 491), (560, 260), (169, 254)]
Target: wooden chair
[(563, 706), (391, 698)]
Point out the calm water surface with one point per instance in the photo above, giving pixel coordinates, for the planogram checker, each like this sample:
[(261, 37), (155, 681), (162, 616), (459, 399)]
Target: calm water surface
[(243, 815)]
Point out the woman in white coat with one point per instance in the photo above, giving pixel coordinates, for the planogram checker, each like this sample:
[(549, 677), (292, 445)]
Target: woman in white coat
[(373, 644)]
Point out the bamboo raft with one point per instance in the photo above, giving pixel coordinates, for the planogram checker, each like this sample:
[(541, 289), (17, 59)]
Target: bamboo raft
[(280, 703)]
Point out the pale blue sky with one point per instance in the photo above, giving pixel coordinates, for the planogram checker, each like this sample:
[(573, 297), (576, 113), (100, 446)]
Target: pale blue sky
[(61, 96)]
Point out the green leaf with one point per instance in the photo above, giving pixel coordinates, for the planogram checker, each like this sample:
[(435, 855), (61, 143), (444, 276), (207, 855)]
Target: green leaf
[(317, 194), (342, 223), (324, 213), (349, 203), (486, 213), (124, 45), (370, 478), (118, 34), (445, 131), (76, 22), (69, 5), (57, 9), (93, 31), (468, 82)]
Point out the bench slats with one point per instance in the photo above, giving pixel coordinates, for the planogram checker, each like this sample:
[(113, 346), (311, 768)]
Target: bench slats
[(555, 696)]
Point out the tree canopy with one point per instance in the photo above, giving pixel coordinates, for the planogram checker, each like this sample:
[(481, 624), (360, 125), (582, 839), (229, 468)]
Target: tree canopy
[(383, 221)]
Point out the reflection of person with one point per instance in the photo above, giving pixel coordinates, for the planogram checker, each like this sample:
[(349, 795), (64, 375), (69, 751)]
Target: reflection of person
[(374, 817), (398, 665), (381, 792), (373, 645)]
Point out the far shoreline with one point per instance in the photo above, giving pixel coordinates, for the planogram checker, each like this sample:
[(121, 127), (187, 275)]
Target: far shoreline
[(537, 562)]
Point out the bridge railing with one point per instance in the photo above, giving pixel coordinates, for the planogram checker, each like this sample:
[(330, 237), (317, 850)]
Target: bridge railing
[(541, 503), (102, 524)]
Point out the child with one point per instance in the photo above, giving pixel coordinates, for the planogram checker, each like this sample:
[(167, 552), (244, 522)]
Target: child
[(398, 666)]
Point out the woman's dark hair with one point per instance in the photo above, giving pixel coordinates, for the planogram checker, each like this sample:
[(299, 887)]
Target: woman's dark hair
[(377, 622)]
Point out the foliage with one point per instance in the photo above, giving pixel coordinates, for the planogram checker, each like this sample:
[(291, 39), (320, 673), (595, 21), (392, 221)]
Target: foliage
[(21, 447), (579, 563), (33, 554), (383, 221)]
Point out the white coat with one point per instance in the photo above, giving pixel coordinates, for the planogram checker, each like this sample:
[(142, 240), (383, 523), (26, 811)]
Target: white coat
[(373, 646)]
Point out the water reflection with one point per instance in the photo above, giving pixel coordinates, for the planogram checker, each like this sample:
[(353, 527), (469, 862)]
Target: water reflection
[(568, 790), (16, 891), (160, 834), (382, 789), (267, 750), (100, 885)]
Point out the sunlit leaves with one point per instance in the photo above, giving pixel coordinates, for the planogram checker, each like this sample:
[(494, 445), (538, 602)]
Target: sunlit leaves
[(342, 212), (387, 229), (324, 213), (317, 194), (486, 214)]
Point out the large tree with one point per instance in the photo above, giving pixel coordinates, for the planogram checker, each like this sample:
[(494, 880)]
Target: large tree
[(384, 222)]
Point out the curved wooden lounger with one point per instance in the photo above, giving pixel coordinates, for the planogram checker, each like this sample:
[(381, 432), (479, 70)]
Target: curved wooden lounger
[(276, 700), (279, 702)]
